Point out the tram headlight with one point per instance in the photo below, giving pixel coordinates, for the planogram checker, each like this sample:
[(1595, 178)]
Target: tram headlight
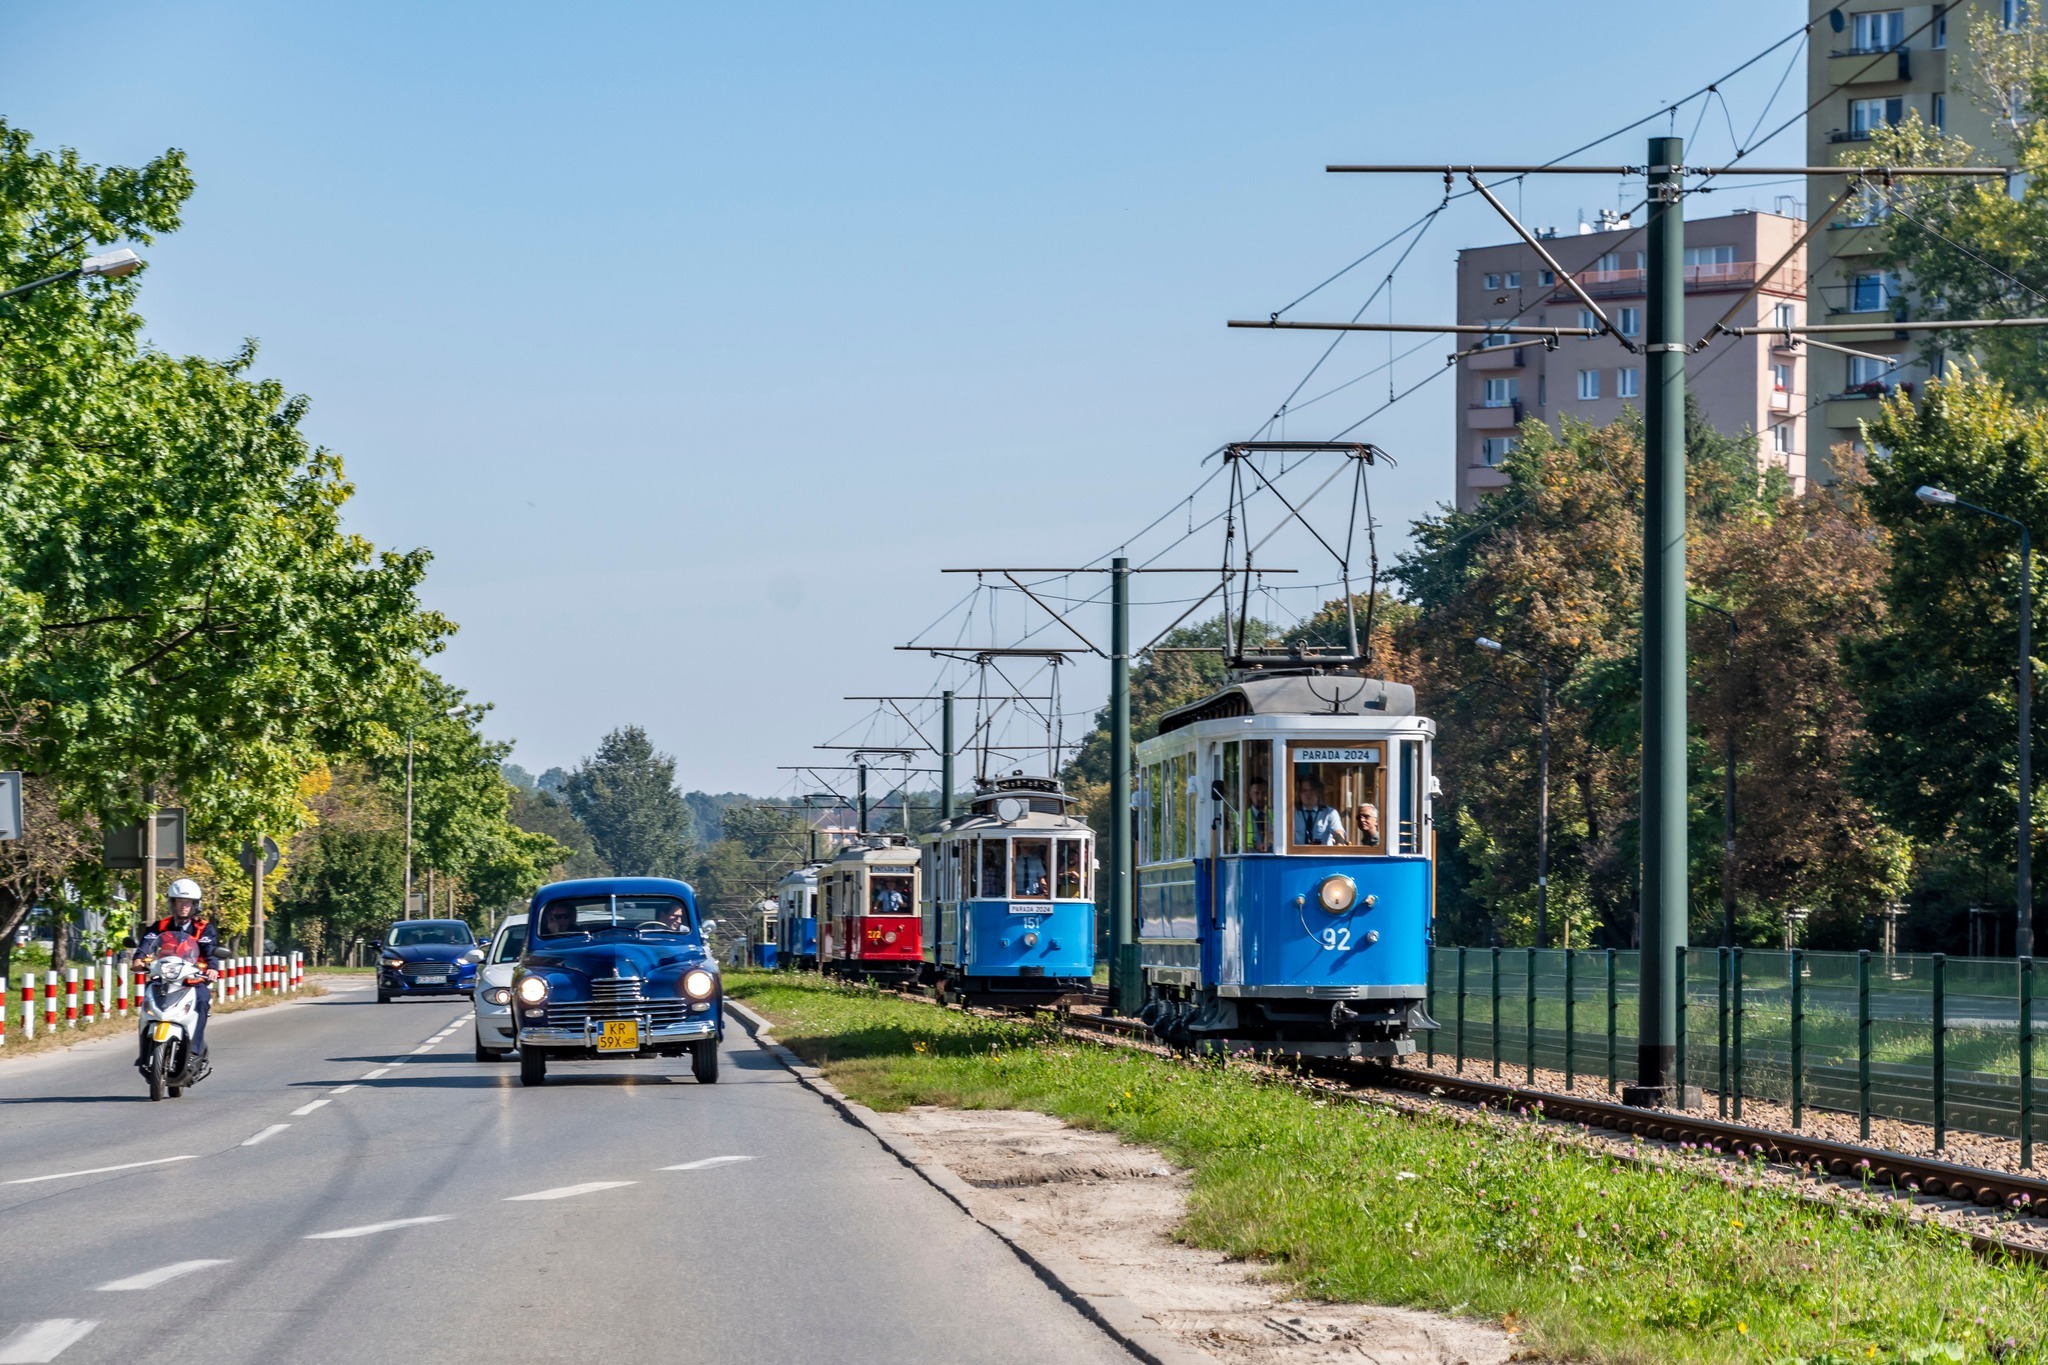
[(1030, 940), (1337, 893), (532, 989), (698, 984), (889, 937)]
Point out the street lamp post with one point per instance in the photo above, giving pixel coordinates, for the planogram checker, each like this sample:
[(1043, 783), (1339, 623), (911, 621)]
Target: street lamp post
[(2023, 939), (1727, 787), (112, 266), (1542, 787)]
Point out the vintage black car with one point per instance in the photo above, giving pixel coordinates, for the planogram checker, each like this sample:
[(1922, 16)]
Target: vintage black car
[(616, 967)]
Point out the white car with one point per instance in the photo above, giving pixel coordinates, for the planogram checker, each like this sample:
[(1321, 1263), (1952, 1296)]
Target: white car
[(494, 1040)]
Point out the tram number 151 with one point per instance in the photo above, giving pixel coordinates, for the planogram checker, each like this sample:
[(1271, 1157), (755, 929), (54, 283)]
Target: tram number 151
[(1336, 938)]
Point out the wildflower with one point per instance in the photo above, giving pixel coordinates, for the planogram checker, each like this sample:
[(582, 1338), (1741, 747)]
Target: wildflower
[(1742, 1327), (1405, 1175), (1736, 1224)]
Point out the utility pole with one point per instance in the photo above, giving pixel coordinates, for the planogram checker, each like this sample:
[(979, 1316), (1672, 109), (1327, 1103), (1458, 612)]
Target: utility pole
[(1126, 987), (1663, 891), (946, 757), (149, 854), (408, 822), (861, 766)]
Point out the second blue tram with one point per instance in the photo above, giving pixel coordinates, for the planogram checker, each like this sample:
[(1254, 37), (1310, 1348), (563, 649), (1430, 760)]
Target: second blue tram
[(797, 908), (1010, 898), (1285, 872)]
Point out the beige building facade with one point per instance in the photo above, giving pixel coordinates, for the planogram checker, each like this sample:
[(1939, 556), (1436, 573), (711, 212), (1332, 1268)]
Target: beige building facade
[(1884, 64), (1752, 384)]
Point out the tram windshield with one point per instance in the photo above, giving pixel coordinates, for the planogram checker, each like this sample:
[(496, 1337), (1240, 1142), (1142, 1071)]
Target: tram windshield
[(1072, 881), (889, 894), (1031, 869), (1335, 796)]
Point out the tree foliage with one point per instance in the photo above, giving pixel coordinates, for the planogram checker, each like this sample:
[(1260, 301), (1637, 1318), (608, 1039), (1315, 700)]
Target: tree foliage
[(625, 795)]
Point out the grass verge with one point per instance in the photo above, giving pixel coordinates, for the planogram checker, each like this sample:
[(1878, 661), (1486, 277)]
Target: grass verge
[(1585, 1257)]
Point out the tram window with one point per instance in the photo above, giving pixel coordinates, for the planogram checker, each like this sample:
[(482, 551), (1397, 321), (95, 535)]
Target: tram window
[(1071, 883), (1257, 819), (1155, 804), (994, 853), (1408, 834), (889, 895), (1232, 778), (1031, 865), (1337, 792), (1183, 806)]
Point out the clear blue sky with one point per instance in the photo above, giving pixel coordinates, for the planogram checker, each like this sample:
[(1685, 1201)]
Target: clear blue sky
[(695, 340)]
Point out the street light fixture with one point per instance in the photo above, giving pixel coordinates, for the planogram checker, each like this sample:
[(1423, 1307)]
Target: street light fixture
[(109, 265), (1542, 786), (2023, 939)]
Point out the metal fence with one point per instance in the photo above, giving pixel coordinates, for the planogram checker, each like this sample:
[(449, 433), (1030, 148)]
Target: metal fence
[(1937, 1040)]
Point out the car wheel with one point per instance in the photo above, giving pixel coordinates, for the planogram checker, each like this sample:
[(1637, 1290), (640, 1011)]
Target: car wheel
[(533, 1066), (484, 1054), (383, 997), (704, 1061)]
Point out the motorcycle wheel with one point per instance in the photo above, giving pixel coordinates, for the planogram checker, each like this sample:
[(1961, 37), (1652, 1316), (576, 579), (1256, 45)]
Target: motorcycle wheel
[(704, 1061), (159, 1065)]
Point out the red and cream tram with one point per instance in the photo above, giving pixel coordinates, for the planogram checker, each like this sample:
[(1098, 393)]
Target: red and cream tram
[(868, 917)]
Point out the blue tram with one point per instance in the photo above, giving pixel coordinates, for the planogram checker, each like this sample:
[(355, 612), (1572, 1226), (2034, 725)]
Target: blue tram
[(1285, 867), (797, 913), (1010, 898)]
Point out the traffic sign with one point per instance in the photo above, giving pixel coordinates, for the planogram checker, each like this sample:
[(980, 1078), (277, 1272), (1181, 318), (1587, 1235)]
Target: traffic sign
[(10, 805), (270, 856)]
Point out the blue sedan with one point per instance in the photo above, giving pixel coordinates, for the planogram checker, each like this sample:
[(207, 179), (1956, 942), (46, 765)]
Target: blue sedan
[(427, 957)]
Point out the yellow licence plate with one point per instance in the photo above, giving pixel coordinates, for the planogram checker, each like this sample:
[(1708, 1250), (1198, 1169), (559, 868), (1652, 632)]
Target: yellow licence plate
[(160, 1032), (620, 1036)]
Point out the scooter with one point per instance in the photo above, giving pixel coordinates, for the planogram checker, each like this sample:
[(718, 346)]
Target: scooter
[(170, 1016)]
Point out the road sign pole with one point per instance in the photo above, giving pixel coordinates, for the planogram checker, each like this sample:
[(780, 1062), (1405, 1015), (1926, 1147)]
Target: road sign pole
[(1663, 893), (1127, 988), (946, 758)]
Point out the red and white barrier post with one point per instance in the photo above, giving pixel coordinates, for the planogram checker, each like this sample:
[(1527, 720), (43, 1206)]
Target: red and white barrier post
[(89, 996), (50, 1001), (28, 1005)]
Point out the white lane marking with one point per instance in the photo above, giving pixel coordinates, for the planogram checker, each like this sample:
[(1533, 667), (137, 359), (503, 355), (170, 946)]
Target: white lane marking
[(150, 1279), (342, 1089), (428, 1048), (707, 1163), (368, 1228), (98, 1170), (306, 1109), (380, 1071), (272, 1131), (567, 1191), (42, 1341)]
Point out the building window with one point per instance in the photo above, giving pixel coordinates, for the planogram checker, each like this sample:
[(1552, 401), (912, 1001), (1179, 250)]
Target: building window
[(1589, 383), (1940, 39), (1542, 390), (1490, 281), (1940, 112), (1546, 278), (1709, 255), (1869, 374), (1867, 116), (1608, 264), (1628, 383), (1513, 279), (1884, 29), (2015, 13), (1785, 315), (1781, 378), (1629, 321), (1588, 321), (1781, 438), (1872, 292), (1502, 393), (1494, 449)]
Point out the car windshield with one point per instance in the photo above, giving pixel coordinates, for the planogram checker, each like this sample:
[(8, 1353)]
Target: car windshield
[(420, 933), (584, 915), (511, 944)]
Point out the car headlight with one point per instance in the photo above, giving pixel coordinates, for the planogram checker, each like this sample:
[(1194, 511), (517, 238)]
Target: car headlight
[(1337, 893), (532, 989), (394, 962), (698, 983), (500, 995)]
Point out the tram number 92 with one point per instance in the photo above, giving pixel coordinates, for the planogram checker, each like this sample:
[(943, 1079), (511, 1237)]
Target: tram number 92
[(1336, 938)]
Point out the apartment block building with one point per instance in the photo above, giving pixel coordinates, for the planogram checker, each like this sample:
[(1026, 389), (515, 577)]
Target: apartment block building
[(1882, 64), (1752, 384)]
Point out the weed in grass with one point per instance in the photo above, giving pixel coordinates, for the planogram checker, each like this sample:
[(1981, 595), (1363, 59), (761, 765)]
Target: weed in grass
[(1594, 1258)]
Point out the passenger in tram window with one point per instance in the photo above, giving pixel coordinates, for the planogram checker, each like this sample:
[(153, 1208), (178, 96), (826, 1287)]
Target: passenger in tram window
[(1258, 817), (1072, 881), (887, 899), (1033, 876), (1314, 822), (1368, 823)]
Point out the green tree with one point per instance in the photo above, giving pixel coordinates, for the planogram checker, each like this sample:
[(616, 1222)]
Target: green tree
[(545, 813), (625, 795)]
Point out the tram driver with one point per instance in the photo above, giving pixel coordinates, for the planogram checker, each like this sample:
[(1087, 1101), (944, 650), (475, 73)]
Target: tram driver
[(1032, 876), (1314, 822)]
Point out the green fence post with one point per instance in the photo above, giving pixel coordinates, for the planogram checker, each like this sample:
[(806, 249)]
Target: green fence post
[(1570, 1012), (1735, 1027), (1496, 1014), (1529, 1030), (1721, 1019), (1461, 1011), (1940, 1051), (2026, 1063), (1679, 1034), (1429, 1002), (1610, 1021), (1797, 958), (1863, 1044)]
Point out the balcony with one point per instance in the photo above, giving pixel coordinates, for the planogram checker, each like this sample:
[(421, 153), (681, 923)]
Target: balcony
[(1870, 68), (1781, 400), (1498, 358), (1728, 276), (1861, 404), (1855, 239), (1485, 478), (1494, 417)]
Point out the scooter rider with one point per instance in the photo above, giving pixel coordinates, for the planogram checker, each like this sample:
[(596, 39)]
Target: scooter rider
[(183, 934)]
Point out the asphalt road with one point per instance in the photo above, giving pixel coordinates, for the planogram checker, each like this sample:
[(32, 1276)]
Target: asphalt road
[(349, 1186)]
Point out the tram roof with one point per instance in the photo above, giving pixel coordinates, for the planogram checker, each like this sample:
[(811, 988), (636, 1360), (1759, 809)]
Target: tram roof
[(1297, 694)]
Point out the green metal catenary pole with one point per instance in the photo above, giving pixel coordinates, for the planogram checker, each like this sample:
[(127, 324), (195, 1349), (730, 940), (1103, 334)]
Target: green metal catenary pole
[(946, 759), (1127, 988), (1663, 804)]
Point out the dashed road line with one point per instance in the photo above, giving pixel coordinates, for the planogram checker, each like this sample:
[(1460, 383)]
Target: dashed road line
[(380, 1072), (569, 1191), (98, 1170), (42, 1341), (306, 1109), (163, 1274), (342, 1089), (368, 1228), (272, 1131), (707, 1163)]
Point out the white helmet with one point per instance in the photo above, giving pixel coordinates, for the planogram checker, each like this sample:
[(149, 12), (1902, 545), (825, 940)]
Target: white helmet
[(185, 889)]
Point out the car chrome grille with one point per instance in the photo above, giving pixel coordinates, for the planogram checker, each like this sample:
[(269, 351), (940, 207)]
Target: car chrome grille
[(615, 998)]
